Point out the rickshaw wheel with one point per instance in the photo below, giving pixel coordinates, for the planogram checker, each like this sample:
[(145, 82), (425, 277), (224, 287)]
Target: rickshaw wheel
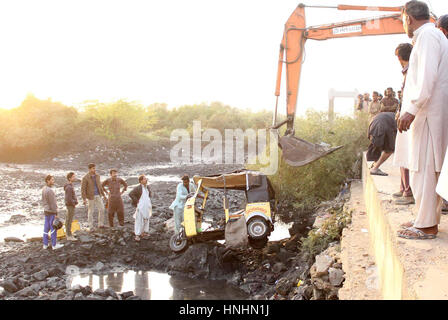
[(178, 243), (257, 228)]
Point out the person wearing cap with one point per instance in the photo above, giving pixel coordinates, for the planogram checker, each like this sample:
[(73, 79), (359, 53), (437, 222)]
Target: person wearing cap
[(112, 187), (184, 188)]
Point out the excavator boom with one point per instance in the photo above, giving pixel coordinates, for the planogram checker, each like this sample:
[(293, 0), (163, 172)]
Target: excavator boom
[(298, 152)]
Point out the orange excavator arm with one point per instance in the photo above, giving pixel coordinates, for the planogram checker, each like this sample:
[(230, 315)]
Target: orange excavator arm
[(296, 33), (298, 152)]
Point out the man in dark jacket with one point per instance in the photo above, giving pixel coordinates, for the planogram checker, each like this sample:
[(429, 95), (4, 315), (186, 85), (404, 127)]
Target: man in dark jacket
[(136, 193), (141, 199), (70, 202), (112, 187), (389, 103)]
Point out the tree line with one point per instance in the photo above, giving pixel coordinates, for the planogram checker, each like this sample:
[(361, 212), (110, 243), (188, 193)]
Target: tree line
[(43, 124)]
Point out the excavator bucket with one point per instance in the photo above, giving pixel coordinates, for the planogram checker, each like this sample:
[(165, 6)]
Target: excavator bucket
[(298, 152)]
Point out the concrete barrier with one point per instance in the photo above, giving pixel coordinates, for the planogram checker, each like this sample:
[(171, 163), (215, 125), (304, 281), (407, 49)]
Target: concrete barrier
[(408, 269)]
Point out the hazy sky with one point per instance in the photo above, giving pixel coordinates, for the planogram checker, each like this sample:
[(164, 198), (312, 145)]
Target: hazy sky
[(183, 52)]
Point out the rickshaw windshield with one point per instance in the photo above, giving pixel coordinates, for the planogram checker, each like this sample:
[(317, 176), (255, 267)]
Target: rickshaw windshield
[(262, 192)]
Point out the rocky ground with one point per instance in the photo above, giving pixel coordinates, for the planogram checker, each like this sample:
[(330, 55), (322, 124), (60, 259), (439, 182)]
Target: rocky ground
[(29, 272), (278, 271)]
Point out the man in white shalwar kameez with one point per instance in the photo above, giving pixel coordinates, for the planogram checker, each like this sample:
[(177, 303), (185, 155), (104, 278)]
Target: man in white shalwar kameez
[(442, 185), (141, 199), (142, 214), (405, 197), (424, 115)]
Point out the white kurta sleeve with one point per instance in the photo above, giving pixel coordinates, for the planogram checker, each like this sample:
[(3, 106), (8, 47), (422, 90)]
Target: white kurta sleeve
[(428, 58)]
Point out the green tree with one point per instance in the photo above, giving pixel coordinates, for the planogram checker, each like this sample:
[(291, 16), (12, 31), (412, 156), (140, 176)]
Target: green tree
[(119, 120), (36, 122)]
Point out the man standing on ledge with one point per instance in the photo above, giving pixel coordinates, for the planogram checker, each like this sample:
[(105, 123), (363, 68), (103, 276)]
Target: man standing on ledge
[(374, 106), (442, 24), (405, 197), (389, 103), (425, 115), (92, 191)]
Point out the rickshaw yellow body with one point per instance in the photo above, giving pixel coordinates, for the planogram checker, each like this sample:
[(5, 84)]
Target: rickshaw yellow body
[(192, 220)]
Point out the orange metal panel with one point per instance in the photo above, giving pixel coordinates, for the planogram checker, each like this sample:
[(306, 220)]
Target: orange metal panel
[(369, 8), (385, 25), (294, 43)]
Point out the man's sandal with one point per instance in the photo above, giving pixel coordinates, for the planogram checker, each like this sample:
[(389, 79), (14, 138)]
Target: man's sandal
[(378, 172), (137, 238), (408, 224), (418, 234)]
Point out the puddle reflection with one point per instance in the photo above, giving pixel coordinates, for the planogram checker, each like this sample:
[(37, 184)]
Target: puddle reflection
[(160, 286)]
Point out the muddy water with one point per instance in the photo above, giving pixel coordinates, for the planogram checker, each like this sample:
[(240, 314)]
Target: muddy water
[(150, 285)]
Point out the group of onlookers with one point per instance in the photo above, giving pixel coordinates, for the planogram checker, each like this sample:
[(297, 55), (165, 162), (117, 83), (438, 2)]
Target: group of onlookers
[(97, 195), (414, 127), (93, 193), (379, 103)]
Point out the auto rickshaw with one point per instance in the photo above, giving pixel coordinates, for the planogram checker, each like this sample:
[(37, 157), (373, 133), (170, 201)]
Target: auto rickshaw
[(258, 212)]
